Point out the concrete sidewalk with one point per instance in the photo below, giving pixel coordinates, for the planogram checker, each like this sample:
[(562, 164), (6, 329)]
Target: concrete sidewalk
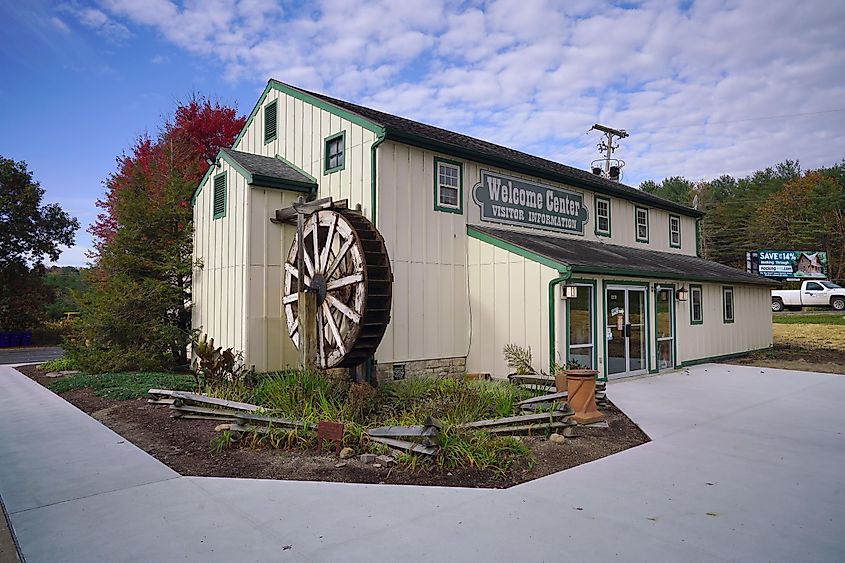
[(745, 464)]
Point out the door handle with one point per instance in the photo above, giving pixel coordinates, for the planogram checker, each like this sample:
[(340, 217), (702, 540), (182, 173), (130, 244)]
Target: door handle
[(628, 330)]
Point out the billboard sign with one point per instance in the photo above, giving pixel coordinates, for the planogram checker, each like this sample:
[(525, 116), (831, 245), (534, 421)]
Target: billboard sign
[(788, 264)]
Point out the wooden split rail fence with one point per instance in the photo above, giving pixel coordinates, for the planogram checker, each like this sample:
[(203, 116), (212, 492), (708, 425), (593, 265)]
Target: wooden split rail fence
[(546, 384)]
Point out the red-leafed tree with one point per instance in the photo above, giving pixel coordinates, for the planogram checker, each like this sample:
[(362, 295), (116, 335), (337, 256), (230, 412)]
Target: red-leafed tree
[(137, 315)]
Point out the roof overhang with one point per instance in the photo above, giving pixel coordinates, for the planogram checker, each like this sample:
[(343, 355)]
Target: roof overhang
[(598, 258)]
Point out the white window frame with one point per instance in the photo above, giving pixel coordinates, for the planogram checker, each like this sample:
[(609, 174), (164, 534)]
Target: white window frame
[(728, 296), (674, 221), (637, 224), (692, 291), (599, 216), (439, 204)]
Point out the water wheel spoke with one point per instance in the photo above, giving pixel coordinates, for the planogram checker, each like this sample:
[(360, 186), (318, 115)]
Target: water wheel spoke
[(315, 238), (343, 308), (333, 327), (324, 256), (293, 271), (290, 298), (321, 329), (294, 327), (337, 259), (344, 281)]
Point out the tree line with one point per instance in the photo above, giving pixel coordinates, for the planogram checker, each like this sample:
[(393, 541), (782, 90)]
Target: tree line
[(780, 207)]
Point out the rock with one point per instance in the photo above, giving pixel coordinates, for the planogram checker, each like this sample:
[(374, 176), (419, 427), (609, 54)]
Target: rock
[(346, 453), (367, 458), (376, 465), (557, 438), (70, 372), (385, 460), (54, 374), (221, 427), (341, 464)]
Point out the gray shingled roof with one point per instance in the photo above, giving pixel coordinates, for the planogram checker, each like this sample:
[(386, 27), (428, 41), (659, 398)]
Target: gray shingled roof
[(411, 131), (270, 172), (599, 258)]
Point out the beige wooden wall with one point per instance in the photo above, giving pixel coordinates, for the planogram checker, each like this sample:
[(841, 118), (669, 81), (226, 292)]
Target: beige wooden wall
[(302, 130), (220, 260), (751, 329), (428, 256), (268, 346), (509, 305)]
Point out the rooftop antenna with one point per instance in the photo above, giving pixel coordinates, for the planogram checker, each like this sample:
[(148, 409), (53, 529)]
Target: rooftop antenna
[(608, 167)]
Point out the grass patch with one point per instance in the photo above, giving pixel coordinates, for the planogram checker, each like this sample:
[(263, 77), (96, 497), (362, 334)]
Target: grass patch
[(810, 336), (311, 397), (123, 386), (809, 319)]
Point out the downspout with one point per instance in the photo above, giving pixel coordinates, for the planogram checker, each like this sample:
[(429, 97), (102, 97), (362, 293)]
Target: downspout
[(373, 167), (370, 364), (552, 284)]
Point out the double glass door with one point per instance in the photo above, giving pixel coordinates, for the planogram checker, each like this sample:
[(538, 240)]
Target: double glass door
[(626, 331)]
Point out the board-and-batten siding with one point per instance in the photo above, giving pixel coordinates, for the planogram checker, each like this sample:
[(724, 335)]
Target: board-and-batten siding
[(220, 259), (302, 130), (509, 305), (751, 329), (428, 256)]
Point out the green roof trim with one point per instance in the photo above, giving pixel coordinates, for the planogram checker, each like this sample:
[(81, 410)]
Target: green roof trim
[(519, 251)]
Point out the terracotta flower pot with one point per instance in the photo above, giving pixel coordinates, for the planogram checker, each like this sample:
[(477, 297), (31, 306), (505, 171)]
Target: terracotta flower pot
[(581, 390)]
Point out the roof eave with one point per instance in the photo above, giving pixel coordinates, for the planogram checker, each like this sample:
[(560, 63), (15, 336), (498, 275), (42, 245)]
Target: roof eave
[(514, 166)]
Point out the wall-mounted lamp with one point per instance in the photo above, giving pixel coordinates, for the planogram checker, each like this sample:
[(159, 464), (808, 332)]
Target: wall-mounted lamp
[(214, 163), (682, 294), (568, 292)]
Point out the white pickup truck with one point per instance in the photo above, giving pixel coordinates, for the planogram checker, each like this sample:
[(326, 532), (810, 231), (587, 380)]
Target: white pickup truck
[(813, 293)]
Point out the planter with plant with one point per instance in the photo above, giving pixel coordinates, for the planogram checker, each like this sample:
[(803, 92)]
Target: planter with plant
[(579, 382)]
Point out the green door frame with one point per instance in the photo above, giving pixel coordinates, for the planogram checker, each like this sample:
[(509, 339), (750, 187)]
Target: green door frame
[(647, 289), (592, 284), (657, 288)]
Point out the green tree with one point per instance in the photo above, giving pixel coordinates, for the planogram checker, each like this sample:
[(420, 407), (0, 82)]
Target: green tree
[(137, 314), (29, 233)]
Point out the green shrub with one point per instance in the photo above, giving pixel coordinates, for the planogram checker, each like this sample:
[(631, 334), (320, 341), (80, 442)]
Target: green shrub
[(65, 363)]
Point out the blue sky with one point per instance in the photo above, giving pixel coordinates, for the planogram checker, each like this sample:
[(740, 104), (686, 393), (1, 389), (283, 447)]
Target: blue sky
[(704, 88)]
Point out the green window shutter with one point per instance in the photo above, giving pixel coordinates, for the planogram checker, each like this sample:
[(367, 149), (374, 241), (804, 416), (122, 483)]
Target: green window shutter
[(220, 196), (271, 117)]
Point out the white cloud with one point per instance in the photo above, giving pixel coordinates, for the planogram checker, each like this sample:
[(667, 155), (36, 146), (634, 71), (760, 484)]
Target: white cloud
[(59, 24), (536, 74), (99, 21)]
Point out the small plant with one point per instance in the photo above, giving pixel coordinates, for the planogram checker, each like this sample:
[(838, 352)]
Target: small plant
[(220, 442), (519, 359), (214, 366)]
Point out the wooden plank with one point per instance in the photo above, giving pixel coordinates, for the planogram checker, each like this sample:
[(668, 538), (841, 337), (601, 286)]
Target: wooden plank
[(194, 398), (205, 410), (545, 380), (530, 427), (545, 398), (160, 392), (160, 401), (516, 419), (417, 430), (431, 421), (405, 445), (202, 417), (276, 421)]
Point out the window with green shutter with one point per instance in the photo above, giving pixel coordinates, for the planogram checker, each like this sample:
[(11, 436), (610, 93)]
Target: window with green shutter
[(271, 118), (219, 202)]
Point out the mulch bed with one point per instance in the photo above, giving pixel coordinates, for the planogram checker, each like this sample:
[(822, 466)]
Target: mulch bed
[(183, 445), (786, 356)]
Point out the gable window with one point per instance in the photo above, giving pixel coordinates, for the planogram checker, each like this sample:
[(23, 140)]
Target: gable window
[(448, 186), (642, 224), (728, 304), (602, 216), (696, 313), (219, 197), (674, 231), (271, 119), (335, 153)]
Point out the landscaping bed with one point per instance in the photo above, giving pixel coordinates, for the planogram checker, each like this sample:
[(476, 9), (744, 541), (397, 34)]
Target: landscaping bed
[(185, 445)]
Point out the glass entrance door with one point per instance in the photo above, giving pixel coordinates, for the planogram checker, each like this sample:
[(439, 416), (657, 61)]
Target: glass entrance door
[(664, 310), (626, 323)]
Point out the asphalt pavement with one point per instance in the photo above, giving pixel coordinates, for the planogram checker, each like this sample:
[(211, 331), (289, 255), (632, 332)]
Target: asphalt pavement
[(29, 355)]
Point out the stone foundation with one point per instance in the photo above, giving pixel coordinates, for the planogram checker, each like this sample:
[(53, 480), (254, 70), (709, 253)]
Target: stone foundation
[(421, 368)]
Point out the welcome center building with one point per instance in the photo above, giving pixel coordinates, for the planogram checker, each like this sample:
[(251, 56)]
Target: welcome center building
[(487, 246)]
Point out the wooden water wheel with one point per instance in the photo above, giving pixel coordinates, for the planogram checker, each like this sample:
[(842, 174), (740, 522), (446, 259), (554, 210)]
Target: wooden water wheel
[(347, 266)]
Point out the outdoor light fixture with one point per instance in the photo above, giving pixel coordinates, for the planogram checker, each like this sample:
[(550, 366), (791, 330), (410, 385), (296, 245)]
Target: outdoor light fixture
[(682, 294), (568, 292)]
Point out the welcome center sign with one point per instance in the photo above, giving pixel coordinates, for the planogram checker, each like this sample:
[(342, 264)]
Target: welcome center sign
[(513, 201)]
